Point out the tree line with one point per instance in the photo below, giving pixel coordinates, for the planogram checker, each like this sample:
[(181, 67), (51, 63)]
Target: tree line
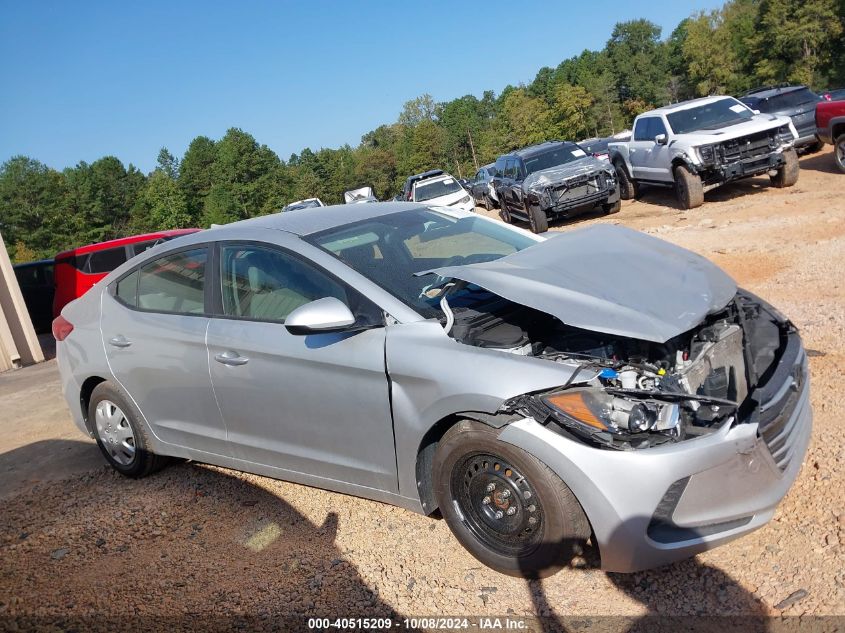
[(745, 43)]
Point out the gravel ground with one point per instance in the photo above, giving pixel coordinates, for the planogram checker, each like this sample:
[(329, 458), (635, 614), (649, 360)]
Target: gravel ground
[(205, 542)]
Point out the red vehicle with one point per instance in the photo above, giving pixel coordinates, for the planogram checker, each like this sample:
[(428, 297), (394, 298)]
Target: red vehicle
[(830, 128), (76, 270)]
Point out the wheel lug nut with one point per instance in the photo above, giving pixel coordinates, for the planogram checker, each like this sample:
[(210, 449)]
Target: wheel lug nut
[(511, 511), (527, 494), (506, 494), (499, 514), (532, 520), (532, 507), (491, 487), (485, 500)]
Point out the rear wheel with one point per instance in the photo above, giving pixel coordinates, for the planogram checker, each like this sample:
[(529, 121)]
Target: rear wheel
[(537, 219), (627, 187), (839, 152), (488, 202), (120, 433), (506, 507), (787, 174), (688, 188)]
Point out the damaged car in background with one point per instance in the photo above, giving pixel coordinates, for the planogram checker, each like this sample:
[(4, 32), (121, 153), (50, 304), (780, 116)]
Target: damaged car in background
[(601, 387), (553, 180)]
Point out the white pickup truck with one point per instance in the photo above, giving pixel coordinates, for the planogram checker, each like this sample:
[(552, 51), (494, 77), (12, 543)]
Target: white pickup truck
[(697, 145)]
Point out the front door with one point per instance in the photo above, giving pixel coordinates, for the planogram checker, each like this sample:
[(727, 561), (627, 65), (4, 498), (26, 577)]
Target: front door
[(316, 404), (154, 326)]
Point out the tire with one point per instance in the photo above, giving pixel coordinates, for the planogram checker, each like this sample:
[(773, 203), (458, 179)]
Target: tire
[(117, 426), (614, 207), (628, 189), (488, 202), (465, 465), (688, 188), (839, 152), (816, 146), (537, 219), (787, 174), (504, 213)]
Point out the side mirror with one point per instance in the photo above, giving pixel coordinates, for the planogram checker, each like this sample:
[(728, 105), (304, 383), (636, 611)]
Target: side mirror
[(756, 111), (322, 315), (661, 139)]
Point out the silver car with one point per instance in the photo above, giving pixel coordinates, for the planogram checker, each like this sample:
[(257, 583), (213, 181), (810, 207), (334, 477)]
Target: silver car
[(599, 385)]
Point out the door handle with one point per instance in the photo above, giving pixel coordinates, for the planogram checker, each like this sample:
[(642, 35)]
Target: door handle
[(233, 359), (120, 341)]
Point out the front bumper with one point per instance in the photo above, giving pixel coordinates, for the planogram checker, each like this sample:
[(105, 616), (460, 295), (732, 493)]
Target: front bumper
[(651, 507), (744, 168), (555, 204)]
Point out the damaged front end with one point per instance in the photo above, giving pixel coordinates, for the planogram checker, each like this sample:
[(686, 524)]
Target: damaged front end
[(640, 393), (585, 183)]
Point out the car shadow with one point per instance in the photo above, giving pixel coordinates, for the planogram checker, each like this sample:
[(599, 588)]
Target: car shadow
[(684, 596), (820, 161), (665, 197), (46, 460), (189, 548)]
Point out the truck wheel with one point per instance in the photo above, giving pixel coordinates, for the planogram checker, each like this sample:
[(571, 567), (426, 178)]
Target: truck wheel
[(839, 152), (688, 188), (788, 173), (537, 219), (628, 189), (504, 213), (816, 146), (505, 506), (488, 202), (614, 207)]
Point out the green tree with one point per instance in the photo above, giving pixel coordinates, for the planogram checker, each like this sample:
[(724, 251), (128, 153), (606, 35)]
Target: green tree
[(161, 205), (415, 111), (196, 175), (527, 120), (639, 62), (573, 105)]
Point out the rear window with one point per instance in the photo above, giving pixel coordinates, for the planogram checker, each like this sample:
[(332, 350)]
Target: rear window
[(174, 283), (106, 260)]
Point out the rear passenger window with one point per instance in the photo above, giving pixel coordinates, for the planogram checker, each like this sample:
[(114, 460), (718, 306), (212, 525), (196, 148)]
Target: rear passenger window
[(267, 285), (127, 289), (106, 260), (174, 283)]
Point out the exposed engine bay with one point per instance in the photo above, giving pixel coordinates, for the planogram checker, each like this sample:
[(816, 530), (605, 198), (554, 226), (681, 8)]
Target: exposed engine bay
[(642, 393)]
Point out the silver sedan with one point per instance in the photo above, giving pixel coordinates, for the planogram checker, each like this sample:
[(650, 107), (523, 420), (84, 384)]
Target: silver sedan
[(601, 385)]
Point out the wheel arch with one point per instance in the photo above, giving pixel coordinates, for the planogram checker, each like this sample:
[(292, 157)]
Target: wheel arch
[(428, 446), (88, 386)]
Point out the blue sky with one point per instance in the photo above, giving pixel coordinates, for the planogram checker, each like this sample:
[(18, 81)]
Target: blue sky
[(81, 80)]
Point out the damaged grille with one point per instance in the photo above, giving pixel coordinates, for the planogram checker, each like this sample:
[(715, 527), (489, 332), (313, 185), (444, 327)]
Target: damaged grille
[(751, 147), (579, 190), (780, 429)]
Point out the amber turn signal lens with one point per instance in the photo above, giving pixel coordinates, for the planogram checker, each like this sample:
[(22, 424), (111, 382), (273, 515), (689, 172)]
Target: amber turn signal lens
[(574, 405)]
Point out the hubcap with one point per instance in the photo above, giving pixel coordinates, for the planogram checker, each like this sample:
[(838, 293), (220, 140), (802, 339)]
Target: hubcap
[(840, 152), (115, 432), (499, 506)]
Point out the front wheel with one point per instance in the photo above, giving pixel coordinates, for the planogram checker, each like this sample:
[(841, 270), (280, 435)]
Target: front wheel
[(505, 506), (615, 207), (688, 187), (787, 174), (839, 152), (120, 433), (504, 212), (537, 219)]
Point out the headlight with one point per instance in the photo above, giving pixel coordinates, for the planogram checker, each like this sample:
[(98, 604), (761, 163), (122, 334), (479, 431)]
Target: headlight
[(464, 200), (600, 411), (706, 153)]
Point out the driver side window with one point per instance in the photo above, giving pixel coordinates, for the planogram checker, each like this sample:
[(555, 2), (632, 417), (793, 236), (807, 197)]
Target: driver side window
[(265, 284)]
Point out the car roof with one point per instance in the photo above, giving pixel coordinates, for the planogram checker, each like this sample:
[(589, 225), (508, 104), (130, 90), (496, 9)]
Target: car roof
[(123, 241), (443, 176), (767, 92), (684, 105), (329, 217), (40, 262), (539, 148)]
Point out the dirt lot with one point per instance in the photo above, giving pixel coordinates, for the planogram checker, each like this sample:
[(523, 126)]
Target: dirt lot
[(77, 540)]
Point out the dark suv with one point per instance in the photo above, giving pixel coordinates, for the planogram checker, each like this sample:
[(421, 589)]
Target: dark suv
[(796, 102), (555, 179)]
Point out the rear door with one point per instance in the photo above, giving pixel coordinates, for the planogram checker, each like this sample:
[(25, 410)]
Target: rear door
[(154, 326), (317, 405)]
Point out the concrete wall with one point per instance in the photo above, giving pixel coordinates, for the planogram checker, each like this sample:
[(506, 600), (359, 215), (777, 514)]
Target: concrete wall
[(18, 343)]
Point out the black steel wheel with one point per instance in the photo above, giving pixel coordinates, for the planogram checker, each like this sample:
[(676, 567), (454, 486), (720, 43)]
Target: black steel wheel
[(506, 507)]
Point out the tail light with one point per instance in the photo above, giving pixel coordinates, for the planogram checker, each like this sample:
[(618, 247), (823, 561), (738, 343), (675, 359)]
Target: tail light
[(61, 328)]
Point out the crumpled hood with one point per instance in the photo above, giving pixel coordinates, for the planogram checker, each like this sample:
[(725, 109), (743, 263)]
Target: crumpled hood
[(553, 175), (608, 279)]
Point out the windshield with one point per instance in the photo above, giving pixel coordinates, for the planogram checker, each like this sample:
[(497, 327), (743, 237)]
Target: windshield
[(710, 116), (558, 156), (434, 189), (388, 250)]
